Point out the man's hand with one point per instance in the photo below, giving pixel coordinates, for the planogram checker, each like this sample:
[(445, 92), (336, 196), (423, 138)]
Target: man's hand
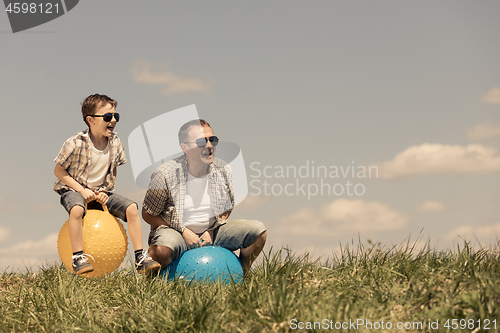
[(225, 215), (101, 197), (207, 238), (191, 239), (88, 195)]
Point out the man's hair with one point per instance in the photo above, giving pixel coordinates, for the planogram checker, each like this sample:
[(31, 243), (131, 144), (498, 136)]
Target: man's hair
[(183, 132), (93, 102)]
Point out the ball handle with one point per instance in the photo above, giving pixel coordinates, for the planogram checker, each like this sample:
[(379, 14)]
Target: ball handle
[(104, 207)]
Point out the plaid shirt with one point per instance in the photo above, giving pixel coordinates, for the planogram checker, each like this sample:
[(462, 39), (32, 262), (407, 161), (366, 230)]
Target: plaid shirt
[(167, 191), (76, 157)]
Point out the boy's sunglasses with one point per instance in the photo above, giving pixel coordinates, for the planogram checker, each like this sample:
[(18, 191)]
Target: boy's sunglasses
[(202, 142), (108, 116)]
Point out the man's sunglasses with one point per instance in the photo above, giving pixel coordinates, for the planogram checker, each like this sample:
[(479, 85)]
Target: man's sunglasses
[(108, 116), (202, 142)]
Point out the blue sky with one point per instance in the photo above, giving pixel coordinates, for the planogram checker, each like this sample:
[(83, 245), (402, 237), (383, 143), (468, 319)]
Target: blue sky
[(410, 87)]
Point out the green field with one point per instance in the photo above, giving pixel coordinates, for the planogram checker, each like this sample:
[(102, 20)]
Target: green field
[(363, 289)]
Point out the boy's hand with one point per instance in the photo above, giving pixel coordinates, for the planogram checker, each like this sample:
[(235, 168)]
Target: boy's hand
[(191, 239), (207, 238), (88, 195), (101, 197)]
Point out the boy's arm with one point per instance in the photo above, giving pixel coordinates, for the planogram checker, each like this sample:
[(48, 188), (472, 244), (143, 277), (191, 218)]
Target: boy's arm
[(64, 176)]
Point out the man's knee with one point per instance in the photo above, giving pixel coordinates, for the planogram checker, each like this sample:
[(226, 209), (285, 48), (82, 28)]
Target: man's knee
[(263, 236), (256, 233), (160, 253), (257, 226), (260, 240)]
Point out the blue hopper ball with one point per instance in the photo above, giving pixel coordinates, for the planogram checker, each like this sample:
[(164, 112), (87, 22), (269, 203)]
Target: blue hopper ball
[(205, 264)]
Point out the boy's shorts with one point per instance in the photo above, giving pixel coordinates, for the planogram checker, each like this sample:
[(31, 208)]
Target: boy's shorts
[(117, 204), (233, 235)]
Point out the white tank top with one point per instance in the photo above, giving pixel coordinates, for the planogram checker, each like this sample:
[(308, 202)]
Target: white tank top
[(101, 160), (198, 212)]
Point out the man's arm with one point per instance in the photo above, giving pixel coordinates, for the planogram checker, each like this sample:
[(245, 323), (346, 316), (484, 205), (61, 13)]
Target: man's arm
[(154, 221), (191, 239)]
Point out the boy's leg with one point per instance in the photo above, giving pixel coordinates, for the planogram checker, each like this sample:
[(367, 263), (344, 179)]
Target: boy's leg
[(74, 204), (134, 226), (126, 210), (249, 236), (75, 228)]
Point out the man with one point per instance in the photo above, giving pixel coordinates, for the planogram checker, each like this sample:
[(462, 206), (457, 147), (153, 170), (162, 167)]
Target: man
[(189, 200)]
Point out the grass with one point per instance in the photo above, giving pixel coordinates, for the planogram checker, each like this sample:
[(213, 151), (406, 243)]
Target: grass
[(286, 292)]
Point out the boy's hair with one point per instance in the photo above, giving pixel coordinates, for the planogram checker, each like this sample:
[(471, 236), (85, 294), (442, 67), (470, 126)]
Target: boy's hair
[(93, 102), (183, 132)]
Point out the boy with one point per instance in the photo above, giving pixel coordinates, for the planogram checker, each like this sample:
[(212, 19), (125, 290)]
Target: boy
[(86, 172)]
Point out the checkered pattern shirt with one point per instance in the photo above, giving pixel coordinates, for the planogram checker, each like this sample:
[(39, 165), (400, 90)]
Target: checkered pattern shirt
[(76, 157), (167, 191)]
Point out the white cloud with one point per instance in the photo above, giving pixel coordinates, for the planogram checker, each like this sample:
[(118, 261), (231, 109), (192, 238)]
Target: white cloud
[(29, 252), (323, 232), (4, 233), (160, 75), (492, 96), (484, 131), (253, 202), (429, 158), (47, 245), (483, 235), (431, 206), (341, 217), (363, 215)]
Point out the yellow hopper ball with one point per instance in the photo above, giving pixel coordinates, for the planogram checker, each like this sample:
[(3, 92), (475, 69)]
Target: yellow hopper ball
[(104, 238)]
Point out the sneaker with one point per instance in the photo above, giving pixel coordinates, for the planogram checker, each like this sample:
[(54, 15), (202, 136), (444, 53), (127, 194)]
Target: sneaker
[(145, 264), (81, 264)]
